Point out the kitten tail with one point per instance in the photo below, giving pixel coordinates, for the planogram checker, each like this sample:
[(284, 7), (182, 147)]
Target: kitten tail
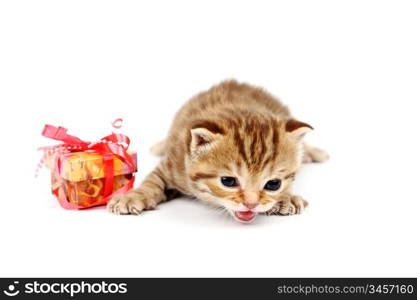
[(159, 149)]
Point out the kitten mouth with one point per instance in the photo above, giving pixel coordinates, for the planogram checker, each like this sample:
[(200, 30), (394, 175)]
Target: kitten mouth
[(245, 216)]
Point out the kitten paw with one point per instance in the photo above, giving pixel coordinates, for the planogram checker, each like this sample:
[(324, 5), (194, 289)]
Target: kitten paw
[(313, 154), (133, 202), (290, 205)]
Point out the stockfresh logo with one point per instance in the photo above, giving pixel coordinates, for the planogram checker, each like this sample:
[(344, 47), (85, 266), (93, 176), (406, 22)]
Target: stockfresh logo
[(12, 290), (72, 288)]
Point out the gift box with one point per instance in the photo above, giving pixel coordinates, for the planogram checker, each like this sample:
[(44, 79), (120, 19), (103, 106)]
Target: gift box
[(81, 177), (86, 174)]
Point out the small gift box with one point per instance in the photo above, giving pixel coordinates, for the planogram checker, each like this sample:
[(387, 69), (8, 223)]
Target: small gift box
[(88, 174)]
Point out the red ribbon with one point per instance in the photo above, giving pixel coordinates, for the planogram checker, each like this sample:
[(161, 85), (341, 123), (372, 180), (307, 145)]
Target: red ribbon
[(115, 144)]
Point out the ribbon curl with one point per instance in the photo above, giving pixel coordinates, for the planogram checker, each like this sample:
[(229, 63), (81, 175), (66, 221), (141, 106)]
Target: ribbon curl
[(115, 144)]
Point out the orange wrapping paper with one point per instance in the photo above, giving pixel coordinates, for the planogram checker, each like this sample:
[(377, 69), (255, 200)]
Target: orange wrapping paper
[(80, 180)]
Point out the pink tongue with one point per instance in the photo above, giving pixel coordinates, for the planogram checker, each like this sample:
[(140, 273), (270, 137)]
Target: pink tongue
[(245, 215)]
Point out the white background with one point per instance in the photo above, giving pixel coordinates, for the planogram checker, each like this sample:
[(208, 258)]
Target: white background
[(349, 68)]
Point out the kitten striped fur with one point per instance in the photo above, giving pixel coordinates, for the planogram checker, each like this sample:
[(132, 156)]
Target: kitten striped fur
[(233, 130)]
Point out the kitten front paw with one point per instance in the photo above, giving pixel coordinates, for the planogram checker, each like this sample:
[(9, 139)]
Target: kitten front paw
[(133, 202), (288, 205)]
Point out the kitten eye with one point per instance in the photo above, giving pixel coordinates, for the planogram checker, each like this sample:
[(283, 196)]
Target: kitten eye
[(229, 181), (273, 185)]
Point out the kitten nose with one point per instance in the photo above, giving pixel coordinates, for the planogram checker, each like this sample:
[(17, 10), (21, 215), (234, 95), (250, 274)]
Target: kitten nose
[(250, 205), (250, 199)]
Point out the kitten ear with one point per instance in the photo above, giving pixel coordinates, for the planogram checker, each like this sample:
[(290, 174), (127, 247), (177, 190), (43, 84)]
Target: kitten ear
[(297, 129), (201, 139)]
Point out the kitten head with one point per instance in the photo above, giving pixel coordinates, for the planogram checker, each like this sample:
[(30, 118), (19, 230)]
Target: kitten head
[(244, 164)]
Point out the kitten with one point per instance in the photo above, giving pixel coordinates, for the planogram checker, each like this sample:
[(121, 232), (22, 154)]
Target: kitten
[(233, 146)]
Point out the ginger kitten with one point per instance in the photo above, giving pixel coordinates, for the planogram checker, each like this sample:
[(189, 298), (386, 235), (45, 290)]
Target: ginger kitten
[(233, 146)]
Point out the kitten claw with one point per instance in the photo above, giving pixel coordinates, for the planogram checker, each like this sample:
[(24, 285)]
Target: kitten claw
[(135, 211)]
